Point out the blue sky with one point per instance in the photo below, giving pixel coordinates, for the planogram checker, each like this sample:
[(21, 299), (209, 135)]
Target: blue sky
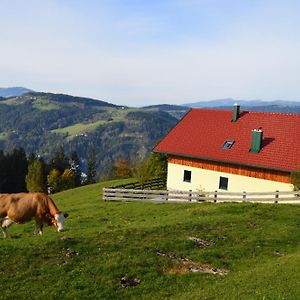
[(148, 52)]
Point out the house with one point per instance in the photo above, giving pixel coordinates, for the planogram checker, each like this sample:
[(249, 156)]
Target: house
[(232, 150)]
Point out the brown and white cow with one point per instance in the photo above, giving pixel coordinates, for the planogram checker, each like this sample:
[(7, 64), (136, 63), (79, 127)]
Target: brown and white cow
[(23, 207)]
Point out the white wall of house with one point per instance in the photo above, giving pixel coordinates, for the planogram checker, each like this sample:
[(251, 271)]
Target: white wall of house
[(207, 180)]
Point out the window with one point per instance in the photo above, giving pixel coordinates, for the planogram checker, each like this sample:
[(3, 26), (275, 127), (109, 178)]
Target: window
[(227, 145), (187, 176), (223, 183)]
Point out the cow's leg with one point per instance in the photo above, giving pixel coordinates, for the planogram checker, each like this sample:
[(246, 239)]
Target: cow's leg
[(5, 223), (38, 226), (39, 229)]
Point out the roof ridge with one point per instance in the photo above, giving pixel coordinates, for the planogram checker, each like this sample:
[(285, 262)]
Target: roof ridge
[(271, 113), (245, 111)]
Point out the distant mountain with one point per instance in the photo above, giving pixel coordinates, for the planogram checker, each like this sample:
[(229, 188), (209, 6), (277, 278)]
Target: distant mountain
[(13, 91), (166, 107), (267, 108), (249, 103), (176, 111)]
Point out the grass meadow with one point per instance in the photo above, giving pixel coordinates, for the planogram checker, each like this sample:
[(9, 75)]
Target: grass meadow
[(117, 250)]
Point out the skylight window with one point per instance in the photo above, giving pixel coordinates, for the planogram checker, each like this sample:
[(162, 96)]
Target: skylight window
[(228, 144)]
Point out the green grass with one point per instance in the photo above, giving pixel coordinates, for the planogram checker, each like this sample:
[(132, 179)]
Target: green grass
[(257, 243), (44, 104), (3, 136), (39, 103), (79, 128), (117, 115)]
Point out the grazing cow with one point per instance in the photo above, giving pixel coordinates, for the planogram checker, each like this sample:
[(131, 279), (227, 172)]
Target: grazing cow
[(23, 207)]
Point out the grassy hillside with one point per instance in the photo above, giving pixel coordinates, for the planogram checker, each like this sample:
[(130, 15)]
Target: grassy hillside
[(258, 245)]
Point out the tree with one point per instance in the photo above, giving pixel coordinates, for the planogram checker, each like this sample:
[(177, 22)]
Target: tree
[(158, 165), (91, 167), (60, 161), (122, 169), (3, 171), (31, 158), (35, 179), (67, 180), (16, 171), (75, 167), (295, 179), (154, 166), (54, 181), (141, 172)]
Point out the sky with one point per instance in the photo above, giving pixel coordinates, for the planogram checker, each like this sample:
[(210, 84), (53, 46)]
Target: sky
[(146, 52)]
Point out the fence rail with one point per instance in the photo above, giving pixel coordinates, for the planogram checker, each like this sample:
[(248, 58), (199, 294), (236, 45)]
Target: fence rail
[(153, 183), (121, 194)]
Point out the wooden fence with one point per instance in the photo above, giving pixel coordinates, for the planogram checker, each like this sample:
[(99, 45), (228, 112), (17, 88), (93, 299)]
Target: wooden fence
[(121, 194), (153, 183)]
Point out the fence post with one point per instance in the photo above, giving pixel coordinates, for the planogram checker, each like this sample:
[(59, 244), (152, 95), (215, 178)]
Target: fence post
[(276, 197), (215, 196), (190, 195), (244, 196), (103, 191)]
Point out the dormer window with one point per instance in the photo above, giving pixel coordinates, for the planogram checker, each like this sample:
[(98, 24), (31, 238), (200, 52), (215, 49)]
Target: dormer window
[(228, 144)]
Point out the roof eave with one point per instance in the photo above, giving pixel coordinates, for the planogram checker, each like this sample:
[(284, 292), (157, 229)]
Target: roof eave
[(223, 161)]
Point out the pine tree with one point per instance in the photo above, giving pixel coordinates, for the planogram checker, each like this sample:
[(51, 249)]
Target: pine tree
[(75, 167), (60, 161), (91, 167), (3, 171), (16, 172)]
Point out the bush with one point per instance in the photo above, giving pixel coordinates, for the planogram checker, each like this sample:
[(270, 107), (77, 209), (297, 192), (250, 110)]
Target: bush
[(295, 179), (154, 166)]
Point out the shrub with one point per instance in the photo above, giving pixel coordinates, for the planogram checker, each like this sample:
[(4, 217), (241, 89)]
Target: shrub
[(295, 179)]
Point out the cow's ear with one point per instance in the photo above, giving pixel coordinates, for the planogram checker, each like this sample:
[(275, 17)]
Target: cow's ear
[(49, 219), (66, 215)]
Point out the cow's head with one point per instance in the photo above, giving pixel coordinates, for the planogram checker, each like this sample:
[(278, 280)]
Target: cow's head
[(57, 220)]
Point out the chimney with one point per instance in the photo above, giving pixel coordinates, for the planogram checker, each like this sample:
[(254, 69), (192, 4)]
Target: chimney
[(236, 112), (256, 140)]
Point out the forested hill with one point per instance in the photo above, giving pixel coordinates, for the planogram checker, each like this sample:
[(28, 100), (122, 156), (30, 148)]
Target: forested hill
[(42, 122)]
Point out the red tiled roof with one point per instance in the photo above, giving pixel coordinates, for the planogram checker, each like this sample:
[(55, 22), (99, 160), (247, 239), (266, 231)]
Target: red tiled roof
[(202, 133)]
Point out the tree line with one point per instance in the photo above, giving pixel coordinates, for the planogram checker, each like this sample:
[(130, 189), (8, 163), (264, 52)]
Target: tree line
[(19, 173)]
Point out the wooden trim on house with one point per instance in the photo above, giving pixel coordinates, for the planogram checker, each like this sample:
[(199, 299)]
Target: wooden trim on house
[(232, 169)]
